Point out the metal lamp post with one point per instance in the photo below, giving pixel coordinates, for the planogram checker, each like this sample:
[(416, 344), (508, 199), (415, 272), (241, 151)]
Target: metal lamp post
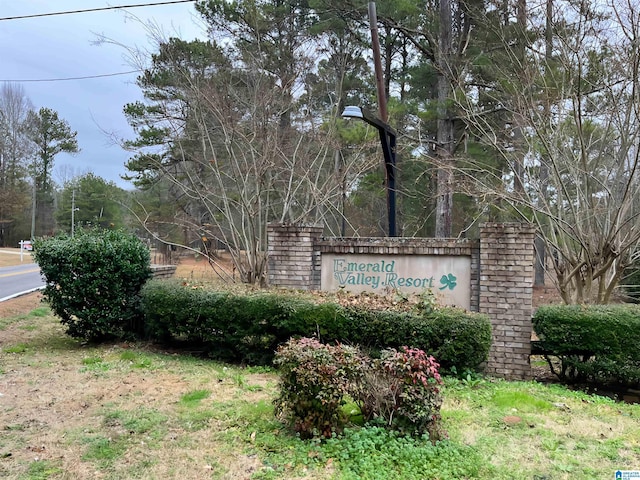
[(388, 141)]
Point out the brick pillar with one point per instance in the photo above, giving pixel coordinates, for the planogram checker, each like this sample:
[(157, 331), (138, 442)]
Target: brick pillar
[(474, 304), (506, 293), (293, 256)]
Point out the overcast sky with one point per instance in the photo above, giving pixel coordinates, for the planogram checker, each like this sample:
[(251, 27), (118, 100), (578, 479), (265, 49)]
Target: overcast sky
[(63, 46)]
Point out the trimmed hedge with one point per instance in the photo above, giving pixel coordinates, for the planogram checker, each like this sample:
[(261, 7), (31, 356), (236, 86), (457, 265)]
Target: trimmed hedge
[(93, 281), (249, 327), (594, 342)]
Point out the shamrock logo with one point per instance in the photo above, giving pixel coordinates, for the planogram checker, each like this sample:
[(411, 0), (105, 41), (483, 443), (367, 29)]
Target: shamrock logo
[(448, 281)]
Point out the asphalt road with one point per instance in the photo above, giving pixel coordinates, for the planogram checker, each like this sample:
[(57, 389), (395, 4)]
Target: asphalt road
[(18, 280)]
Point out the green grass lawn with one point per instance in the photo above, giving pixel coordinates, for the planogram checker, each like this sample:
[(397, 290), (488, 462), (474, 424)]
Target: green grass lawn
[(134, 411)]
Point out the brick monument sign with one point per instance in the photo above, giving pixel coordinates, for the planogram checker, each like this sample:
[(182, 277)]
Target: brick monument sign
[(492, 275)]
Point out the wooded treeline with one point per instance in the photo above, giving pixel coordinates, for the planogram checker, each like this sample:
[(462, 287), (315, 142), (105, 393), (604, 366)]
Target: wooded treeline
[(32, 203), (507, 110)]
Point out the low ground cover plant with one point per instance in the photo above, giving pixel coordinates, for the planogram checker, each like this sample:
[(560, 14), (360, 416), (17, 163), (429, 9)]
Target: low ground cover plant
[(400, 390), (594, 343)]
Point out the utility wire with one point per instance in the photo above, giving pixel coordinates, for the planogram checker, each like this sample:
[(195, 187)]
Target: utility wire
[(69, 12), (31, 80)]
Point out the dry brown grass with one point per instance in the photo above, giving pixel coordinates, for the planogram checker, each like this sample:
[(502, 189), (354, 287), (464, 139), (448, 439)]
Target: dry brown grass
[(11, 256), (196, 268), (58, 395), (20, 306)]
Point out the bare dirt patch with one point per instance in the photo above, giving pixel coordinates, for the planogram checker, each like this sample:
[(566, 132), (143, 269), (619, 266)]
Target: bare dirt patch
[(545, 295)]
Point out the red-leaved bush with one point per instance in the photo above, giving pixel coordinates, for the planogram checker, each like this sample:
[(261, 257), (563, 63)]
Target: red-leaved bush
[(314, 380), (400, 390), (405, 386)]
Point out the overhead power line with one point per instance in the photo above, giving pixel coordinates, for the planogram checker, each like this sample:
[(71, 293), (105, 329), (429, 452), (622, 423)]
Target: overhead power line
[(116, 7), (31, 80)]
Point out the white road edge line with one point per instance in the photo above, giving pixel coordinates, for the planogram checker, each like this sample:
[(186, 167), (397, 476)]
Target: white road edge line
[(21, 293)]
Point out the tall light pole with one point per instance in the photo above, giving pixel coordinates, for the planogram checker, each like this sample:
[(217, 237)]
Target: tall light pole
[(388, 141), (387, 134)]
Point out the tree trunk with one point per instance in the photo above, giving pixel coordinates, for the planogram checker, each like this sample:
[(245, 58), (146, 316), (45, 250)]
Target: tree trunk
[(544, 171), (518, 121), (444, 136)]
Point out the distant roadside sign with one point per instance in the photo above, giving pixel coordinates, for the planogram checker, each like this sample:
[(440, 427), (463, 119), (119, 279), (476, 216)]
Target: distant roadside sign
[(26, 245)]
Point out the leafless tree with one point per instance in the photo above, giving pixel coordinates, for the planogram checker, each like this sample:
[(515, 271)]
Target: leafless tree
[(232, 163), (15, 151), (580, 113)]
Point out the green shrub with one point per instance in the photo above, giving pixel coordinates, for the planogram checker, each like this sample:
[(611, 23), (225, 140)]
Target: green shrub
[(594, 342), (174, 310), (460, 340), (314, 380), (93, 281), (402, 389), (249, 328), (230, 327)]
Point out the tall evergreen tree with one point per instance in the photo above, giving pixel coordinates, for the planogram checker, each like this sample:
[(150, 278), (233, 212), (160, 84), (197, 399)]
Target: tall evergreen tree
[(50, 136)]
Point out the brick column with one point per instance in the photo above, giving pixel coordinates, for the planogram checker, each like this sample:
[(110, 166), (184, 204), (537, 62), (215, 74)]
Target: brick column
[(506, 293), (474, 304), (293, 256)]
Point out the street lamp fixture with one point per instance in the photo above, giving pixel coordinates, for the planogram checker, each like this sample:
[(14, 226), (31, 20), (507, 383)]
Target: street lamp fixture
[(388, 142)]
